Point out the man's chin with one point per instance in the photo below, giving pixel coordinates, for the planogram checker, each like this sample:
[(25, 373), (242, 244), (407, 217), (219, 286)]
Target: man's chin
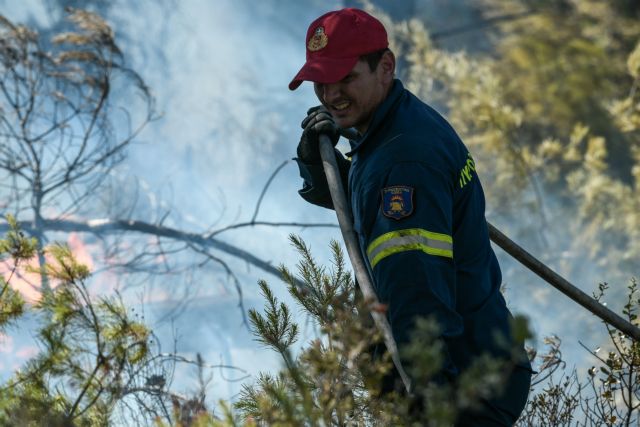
[(345, 123)]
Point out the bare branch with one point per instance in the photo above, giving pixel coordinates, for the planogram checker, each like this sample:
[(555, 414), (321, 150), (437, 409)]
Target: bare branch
[(266, 186), (273, 224), (108, 226), (230, 273)]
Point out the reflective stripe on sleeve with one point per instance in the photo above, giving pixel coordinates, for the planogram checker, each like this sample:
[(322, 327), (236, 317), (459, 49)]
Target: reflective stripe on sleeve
[(412, 239)]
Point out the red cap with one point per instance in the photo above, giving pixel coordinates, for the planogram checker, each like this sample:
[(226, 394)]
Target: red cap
[(335, 42)]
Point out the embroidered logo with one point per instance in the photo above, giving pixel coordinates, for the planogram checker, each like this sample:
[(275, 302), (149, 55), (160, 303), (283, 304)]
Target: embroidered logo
[(397, 201), (318, 41)]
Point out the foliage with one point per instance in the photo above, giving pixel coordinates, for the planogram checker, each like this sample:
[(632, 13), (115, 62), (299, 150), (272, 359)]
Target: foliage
[(19, 248), (324, 383), (70, 107), (554, 109), (617, 383), (607, 395), (95, 362), (552, 117), (336, 379)]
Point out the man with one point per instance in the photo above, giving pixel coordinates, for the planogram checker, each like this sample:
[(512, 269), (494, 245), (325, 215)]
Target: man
[(417, 203)]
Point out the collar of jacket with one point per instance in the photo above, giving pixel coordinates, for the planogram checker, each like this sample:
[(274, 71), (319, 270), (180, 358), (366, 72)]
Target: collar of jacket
[(379, 116)]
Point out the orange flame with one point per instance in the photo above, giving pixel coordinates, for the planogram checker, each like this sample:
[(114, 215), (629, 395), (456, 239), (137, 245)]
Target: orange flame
[(29, 283)]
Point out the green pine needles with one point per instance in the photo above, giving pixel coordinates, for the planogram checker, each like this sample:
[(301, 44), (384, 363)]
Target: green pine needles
[(87, 346), (335, 379), (94, 359)]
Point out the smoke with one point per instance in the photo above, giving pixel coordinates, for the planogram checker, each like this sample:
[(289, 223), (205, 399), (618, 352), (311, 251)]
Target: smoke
[(219, 71)]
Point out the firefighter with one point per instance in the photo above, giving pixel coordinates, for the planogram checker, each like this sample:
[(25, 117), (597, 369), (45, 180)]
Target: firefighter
[(418, 206)]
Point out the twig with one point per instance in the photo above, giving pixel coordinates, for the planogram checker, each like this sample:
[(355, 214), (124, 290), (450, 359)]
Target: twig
[(273, 224), (236, 282), (266, 186)]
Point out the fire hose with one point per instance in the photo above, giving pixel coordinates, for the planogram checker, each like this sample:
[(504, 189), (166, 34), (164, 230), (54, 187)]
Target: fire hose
[(343, 212)]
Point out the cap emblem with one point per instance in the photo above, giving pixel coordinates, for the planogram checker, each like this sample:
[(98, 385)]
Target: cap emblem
[(318, 41)]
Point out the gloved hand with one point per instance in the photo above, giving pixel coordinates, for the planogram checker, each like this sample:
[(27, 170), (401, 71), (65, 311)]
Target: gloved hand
[(318, 121)]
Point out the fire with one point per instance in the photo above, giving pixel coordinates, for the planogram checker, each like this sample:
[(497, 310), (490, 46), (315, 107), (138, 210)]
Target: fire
[(26, 279), (28, 283), (80, 250)]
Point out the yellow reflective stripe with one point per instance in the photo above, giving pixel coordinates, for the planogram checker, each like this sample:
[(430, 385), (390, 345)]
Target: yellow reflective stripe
[(409, 240), (408, 232)]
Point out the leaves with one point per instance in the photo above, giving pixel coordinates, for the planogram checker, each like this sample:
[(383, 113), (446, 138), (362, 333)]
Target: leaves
[(552, 117), (64, 266), (87, 346), (335, 379), (15, 244), (275, 328), (633, 63), (12, 305)]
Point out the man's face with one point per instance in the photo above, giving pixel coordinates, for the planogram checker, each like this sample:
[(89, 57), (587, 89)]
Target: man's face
[(353, 100)]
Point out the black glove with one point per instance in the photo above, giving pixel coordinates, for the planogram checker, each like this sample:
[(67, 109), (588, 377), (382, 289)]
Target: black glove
[(318, 121)]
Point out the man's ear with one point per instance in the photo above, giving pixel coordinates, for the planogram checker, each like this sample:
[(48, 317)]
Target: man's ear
[(388, 66)]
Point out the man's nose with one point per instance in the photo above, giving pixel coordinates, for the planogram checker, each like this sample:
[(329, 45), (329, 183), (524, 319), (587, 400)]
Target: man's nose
[(331, 92)]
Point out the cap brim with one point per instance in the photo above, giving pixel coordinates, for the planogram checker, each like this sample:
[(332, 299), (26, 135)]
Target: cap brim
[(323, 70)]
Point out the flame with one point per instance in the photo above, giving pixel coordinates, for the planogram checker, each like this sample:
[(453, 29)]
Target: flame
[(29, 283), (80, 250)]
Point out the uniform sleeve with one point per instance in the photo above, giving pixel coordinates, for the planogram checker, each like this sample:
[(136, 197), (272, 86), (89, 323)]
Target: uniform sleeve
[(410, 250), (315, 189)]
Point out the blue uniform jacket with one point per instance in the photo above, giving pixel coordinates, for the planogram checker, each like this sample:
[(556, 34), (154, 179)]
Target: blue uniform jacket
[(418, 210)]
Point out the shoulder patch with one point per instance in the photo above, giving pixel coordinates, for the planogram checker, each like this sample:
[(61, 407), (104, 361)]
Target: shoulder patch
[(397, 201)]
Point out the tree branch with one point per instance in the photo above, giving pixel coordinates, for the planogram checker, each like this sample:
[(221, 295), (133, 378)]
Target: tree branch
[(266, 186), (114, 226), (272, 224)]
